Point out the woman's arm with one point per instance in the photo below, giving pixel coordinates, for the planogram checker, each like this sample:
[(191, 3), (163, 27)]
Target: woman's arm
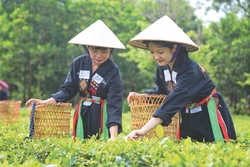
[(70, 86), (151, 124)]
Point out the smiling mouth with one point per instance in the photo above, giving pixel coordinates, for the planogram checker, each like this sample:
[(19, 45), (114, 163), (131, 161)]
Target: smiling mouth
[(98, 60)]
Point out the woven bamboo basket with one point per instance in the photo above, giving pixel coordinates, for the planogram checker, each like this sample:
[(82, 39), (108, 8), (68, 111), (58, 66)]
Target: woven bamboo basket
[(49, 119), (143, 107), (10, 111)]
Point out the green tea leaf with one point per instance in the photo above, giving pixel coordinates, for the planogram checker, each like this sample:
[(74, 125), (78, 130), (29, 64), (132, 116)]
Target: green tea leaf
[(159, 131)]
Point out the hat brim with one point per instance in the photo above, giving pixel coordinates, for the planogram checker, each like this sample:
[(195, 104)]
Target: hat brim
[(142, 45)]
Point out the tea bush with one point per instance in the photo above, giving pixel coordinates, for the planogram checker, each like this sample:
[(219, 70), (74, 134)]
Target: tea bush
[(18, 150)]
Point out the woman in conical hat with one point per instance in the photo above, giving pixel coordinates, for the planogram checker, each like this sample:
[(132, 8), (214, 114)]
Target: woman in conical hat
[(189, 90), (98, 81)]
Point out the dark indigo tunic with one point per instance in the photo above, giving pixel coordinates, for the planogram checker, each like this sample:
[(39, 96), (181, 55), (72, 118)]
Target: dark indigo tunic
[(191, 85), (110, 88), (4, 95)]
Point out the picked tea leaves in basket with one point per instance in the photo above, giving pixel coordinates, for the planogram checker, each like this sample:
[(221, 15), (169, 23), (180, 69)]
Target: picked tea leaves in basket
[(10, 111), (49, 119), (143, 107)]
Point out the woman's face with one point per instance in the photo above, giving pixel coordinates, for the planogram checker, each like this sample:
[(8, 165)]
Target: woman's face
[(99, 54), (162, 55)]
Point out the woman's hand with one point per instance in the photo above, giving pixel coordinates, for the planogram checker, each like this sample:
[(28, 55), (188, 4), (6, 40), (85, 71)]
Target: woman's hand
[(151, 124), (136, 134), (113, 132), (50, 100), (112, 138), (131, 94)]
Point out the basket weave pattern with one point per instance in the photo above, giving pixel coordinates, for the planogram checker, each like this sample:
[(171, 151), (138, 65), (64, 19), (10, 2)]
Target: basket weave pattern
[(51, 119), (10, 110), (143, 107)]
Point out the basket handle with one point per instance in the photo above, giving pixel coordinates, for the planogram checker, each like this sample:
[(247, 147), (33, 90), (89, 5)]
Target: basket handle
[(32, 119)]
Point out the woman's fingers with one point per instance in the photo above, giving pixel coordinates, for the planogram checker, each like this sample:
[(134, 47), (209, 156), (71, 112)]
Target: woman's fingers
[(49, 100), (32, 100), (130, 95), (132, 135), (29, 102)]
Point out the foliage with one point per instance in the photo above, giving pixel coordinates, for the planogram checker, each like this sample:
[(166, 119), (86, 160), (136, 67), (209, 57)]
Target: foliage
[(229, 44), (16, 150), (247, 82), (32, 44), (35, 56), (34, 39), (235, 6)]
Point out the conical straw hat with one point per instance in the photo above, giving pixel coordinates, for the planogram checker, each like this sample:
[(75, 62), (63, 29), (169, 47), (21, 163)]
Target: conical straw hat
[(166, 30), (97, 34)]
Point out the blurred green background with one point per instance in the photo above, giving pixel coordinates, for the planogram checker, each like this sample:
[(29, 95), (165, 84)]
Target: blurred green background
[(35, 54)]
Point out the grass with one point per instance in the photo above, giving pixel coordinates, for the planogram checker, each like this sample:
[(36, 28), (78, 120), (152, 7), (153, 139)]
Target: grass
[(241, 122)]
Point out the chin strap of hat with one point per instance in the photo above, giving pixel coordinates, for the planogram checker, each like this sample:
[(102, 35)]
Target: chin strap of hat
[(111, 50), (176, 52), (86, 49)]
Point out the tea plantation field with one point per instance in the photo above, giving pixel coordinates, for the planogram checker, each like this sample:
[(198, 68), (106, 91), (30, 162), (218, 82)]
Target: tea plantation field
[(15, 150)]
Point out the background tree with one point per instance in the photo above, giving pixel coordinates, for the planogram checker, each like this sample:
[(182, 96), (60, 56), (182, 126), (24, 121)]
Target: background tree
[(33, 43), (35, 54), (229, 41)]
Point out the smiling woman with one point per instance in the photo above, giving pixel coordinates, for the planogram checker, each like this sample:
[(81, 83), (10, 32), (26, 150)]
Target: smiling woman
[(191, 92)]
